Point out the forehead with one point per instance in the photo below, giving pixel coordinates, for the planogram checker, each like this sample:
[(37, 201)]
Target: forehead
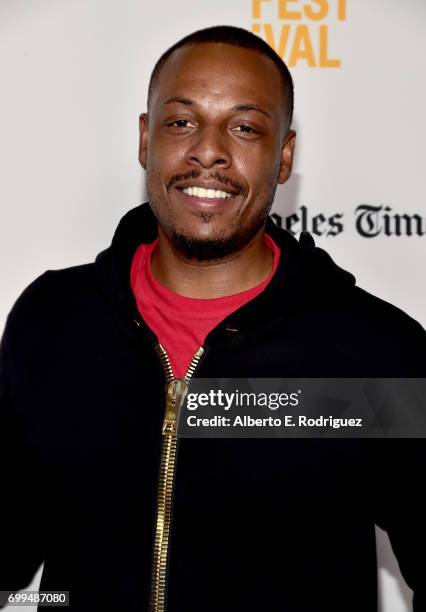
[(220, 71)]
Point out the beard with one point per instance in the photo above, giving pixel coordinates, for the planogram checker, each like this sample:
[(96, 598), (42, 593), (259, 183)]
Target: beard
[(215, 248), (211, 248)]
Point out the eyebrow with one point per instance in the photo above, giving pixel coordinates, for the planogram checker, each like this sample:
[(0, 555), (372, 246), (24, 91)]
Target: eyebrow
[(237, 108), (251, 107), (179, 100)]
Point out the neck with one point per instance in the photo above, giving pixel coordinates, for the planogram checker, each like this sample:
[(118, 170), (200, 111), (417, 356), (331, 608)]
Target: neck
[(211, 279)]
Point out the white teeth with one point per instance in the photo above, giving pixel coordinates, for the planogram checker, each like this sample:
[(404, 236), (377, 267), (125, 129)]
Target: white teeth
[(200, 192)]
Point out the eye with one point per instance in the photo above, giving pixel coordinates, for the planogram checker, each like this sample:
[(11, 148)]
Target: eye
[(181, 123), (245, 129)]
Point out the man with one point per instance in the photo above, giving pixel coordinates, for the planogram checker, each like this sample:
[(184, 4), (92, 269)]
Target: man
[(201, 280)]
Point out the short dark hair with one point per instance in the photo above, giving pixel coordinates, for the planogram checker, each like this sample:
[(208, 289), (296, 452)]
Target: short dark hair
[(238, 37)]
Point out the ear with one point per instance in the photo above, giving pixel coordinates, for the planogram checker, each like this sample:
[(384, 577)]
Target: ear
[(143, 139), (287, 155)]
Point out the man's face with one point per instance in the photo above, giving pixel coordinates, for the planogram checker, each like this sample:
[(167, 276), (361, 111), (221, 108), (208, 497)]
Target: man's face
[(214, 147)]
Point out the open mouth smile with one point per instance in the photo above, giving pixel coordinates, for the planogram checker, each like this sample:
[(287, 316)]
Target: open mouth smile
[(202, 192)]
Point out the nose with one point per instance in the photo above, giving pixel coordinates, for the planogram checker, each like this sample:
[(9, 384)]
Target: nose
[(209, 149)]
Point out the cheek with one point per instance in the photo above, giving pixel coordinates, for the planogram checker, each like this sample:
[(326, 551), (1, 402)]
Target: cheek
[(261, 175), (257, 163), (163, 163), (165, 152)]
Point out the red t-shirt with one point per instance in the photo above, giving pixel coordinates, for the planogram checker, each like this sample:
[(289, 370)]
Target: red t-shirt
[(182, 323)]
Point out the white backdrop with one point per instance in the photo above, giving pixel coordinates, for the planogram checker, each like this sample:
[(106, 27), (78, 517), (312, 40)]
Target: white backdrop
[(73, 82)]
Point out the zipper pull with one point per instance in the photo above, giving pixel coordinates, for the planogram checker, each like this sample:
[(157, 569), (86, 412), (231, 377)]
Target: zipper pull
[(176, 391)]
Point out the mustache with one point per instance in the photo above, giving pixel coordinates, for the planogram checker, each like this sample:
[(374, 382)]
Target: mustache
[(225, 180)]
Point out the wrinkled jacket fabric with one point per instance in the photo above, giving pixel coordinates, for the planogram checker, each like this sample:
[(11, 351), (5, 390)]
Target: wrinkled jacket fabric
[(283, 525)]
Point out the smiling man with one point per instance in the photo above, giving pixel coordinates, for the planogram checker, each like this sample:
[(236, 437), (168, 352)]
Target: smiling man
[(218, 128), (96, 361)]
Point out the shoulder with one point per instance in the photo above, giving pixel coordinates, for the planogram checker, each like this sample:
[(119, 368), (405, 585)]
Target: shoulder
[(48, 301), (52, 287), (381, 334), (379, 313)]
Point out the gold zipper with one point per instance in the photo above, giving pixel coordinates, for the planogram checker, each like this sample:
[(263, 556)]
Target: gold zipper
[(176, 390)]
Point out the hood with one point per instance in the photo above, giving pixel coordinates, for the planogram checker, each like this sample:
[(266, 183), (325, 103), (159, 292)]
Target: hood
[(305, 272)]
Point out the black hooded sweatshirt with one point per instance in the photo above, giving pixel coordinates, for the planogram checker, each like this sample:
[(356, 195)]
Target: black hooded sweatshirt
[(281, 525)]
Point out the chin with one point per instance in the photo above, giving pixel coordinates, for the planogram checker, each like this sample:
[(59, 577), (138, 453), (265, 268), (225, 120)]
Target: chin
[(208, 247)]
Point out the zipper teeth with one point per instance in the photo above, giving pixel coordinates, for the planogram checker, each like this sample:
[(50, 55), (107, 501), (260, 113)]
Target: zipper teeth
[(165, 493), (165, 362), (194, 362)]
